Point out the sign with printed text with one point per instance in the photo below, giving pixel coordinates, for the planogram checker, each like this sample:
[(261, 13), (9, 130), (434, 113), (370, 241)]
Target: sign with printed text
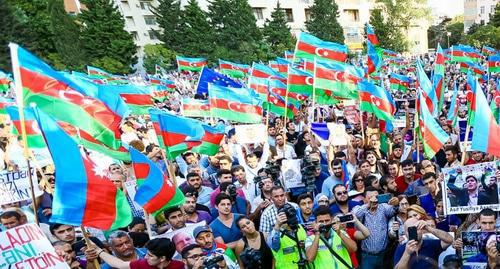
[(15, 186), (351, 114), (250, 133), (292, 176), (27, 247)]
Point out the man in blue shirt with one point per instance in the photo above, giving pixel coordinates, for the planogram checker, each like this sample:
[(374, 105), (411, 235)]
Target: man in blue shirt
[(342, 203), (333, 180), (421, 253)]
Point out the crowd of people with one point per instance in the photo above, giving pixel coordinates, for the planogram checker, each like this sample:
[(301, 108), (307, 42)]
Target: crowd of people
[(368, 208)]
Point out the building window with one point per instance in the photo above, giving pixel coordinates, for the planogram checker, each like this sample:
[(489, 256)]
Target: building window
[(352, 14), (150, 20), (289, 14), (482, 9), (308, 14), (134, 34), (492, 10), (152, 35), (145, 5), (257, 12), (130, 21)]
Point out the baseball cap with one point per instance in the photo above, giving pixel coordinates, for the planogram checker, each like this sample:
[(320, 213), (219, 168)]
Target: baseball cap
[(452, 258), (201, 229)]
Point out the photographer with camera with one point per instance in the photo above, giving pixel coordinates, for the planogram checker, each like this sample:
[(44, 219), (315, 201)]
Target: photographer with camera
[(193, 258), (287, 237), (214, 250), (269, 216), (329, 244), (252, 250)]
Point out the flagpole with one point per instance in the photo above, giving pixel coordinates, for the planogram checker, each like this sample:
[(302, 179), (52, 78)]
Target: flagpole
[(314, 90), (286, 102), (89, 243), (18, 87), (466, 139)]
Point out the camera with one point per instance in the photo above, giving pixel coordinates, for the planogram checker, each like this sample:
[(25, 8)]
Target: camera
[(308, 170), (273, 170), (291, 216), (251, 258), (231, 189), (258, 181), (211, 261)]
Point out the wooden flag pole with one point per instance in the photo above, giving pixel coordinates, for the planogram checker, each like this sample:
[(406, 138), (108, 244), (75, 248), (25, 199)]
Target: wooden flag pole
[(18, 87), (314, 92), (89, 243), (466, 139)]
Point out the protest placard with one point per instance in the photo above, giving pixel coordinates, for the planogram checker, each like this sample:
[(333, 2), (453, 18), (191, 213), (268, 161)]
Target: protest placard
[(15, 186), (292, 176), (182, 237), (27, 247), (250, 133), (470, 188), (474, 253), (338, 135), (351, 114)]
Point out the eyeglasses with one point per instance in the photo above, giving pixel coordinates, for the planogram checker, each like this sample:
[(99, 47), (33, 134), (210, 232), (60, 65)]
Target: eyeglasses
[(195, 256), (341, 192), (358, 180)]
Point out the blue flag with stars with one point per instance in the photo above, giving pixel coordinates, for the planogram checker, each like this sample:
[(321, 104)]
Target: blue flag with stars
[(210, 76)]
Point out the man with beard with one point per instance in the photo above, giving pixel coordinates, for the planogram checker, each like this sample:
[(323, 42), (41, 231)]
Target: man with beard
[(193, 215), (65, 251), (271, 132), (342, 203), (394, 168), (334, 179), (123, 248), (194, 180), (284, 150), (451, 153), (397, 152), (154, 154), (204, 237), (176, 218), (388, 185), (305, 214), (408, 176)]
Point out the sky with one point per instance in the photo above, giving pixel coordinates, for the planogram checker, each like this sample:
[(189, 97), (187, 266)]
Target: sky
[(450, 8)]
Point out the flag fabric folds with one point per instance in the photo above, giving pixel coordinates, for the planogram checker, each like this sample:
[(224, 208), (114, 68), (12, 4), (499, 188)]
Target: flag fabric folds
[(211, 139), (93, 201), (494, 63), (370, 35), (438, 78), (5, 81), (210, 76), (463, 53), (426, 85), (486, 128), (338, 78), (154, 189), (190, 64), (432, 135), (374, 58), (310, 47), (234, 70), (399, 82), (235, 104), (195, 108), (177, 134), (376, 100), (34, 137)]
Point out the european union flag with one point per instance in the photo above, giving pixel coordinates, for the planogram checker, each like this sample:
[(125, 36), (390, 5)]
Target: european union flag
[(210, 76)]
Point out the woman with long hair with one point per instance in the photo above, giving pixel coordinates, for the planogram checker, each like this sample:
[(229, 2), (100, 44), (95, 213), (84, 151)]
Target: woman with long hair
[(254, 241)]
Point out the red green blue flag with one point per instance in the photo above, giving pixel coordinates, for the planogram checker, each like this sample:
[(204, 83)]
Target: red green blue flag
[(190, 64), (235, 104), (486, 129), (154, 189), (386, 53), (432, 135), (370, 35), (463, 53), (106, 77), (310, 47), (5, 81), (374, 57), (453, 110), (62, 98), (376, 100), (288, 55), (81, 196), (210, 141), (234, 70), (438, 77), (4, 103), (338, 78), (399, 82), (33, 134), (471, 88), (494, 63), (280, 65), (488, 51), (427, 93), (259, 86), (300, 81), (195, 108), (176, 134), (476, 69)]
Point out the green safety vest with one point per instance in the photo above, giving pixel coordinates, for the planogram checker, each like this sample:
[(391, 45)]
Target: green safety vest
[(325, 260), (288, 254)]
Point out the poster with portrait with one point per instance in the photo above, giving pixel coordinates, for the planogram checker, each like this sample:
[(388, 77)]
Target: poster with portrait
[(182, 237), (470, 188), (474, 250)]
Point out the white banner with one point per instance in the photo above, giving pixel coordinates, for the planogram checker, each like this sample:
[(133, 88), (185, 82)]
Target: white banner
[(26, 247), (292, 176), (251, 133), (15, 186)]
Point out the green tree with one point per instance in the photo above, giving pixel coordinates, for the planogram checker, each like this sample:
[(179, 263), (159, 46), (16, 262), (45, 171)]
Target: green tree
[(106, 43), (277, 33), (495, 17), (11, 29), (456, 30), (437, 34), (486, 35), (196, 32), (388, 36), (157, 55), (473, 28), (236, 35), (168, 15), (323, 22), (66, 36)]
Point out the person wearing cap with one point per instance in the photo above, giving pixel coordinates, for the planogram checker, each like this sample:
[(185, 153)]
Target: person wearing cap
[(421, 253), (452, 261), (204, 237)]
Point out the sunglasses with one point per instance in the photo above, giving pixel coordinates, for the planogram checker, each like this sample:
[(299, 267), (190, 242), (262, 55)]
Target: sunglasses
[(341, 192)]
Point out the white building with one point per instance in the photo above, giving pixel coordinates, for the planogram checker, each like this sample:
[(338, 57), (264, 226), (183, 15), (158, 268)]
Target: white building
[(478, 11)]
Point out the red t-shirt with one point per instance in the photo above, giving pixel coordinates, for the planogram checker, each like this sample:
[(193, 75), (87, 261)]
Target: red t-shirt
[(354, 259), (143, 264), (401, 183)]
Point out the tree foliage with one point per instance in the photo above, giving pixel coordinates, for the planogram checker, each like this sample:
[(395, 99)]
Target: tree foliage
[(196, 32), (168, 17), (277, 33), (495, 17), (389, 37), (12, 30), (66, 36), (486, 35), (106, 42), (157, 55), (323, 22)]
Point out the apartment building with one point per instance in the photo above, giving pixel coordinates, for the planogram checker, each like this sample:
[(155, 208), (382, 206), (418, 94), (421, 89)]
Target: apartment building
[(478, 11)]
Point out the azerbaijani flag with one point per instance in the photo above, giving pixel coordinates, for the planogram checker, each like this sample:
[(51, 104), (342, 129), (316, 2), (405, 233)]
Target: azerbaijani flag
[(432, 135), (463, 53), (494, 63), (495, 105), (280, 65), (338, 78), (374, 57), (235, 104), (210, 142), (399, 82), (4, 103), (476, 69), (259, 86), (195, 108), (233, 69), (389, 53), (425, 84), (300, 81), (190, 64), (370, 35), (376, 100), (177, 134), (438, 77), (33, 134), (97, 73), (154, 189), (310, 47), (138, 98), (62, 98), (81, 197), (5, 81), (486, 129), (280, 88), (488, 51), (264, 71), (288, 55), (276, 105)]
